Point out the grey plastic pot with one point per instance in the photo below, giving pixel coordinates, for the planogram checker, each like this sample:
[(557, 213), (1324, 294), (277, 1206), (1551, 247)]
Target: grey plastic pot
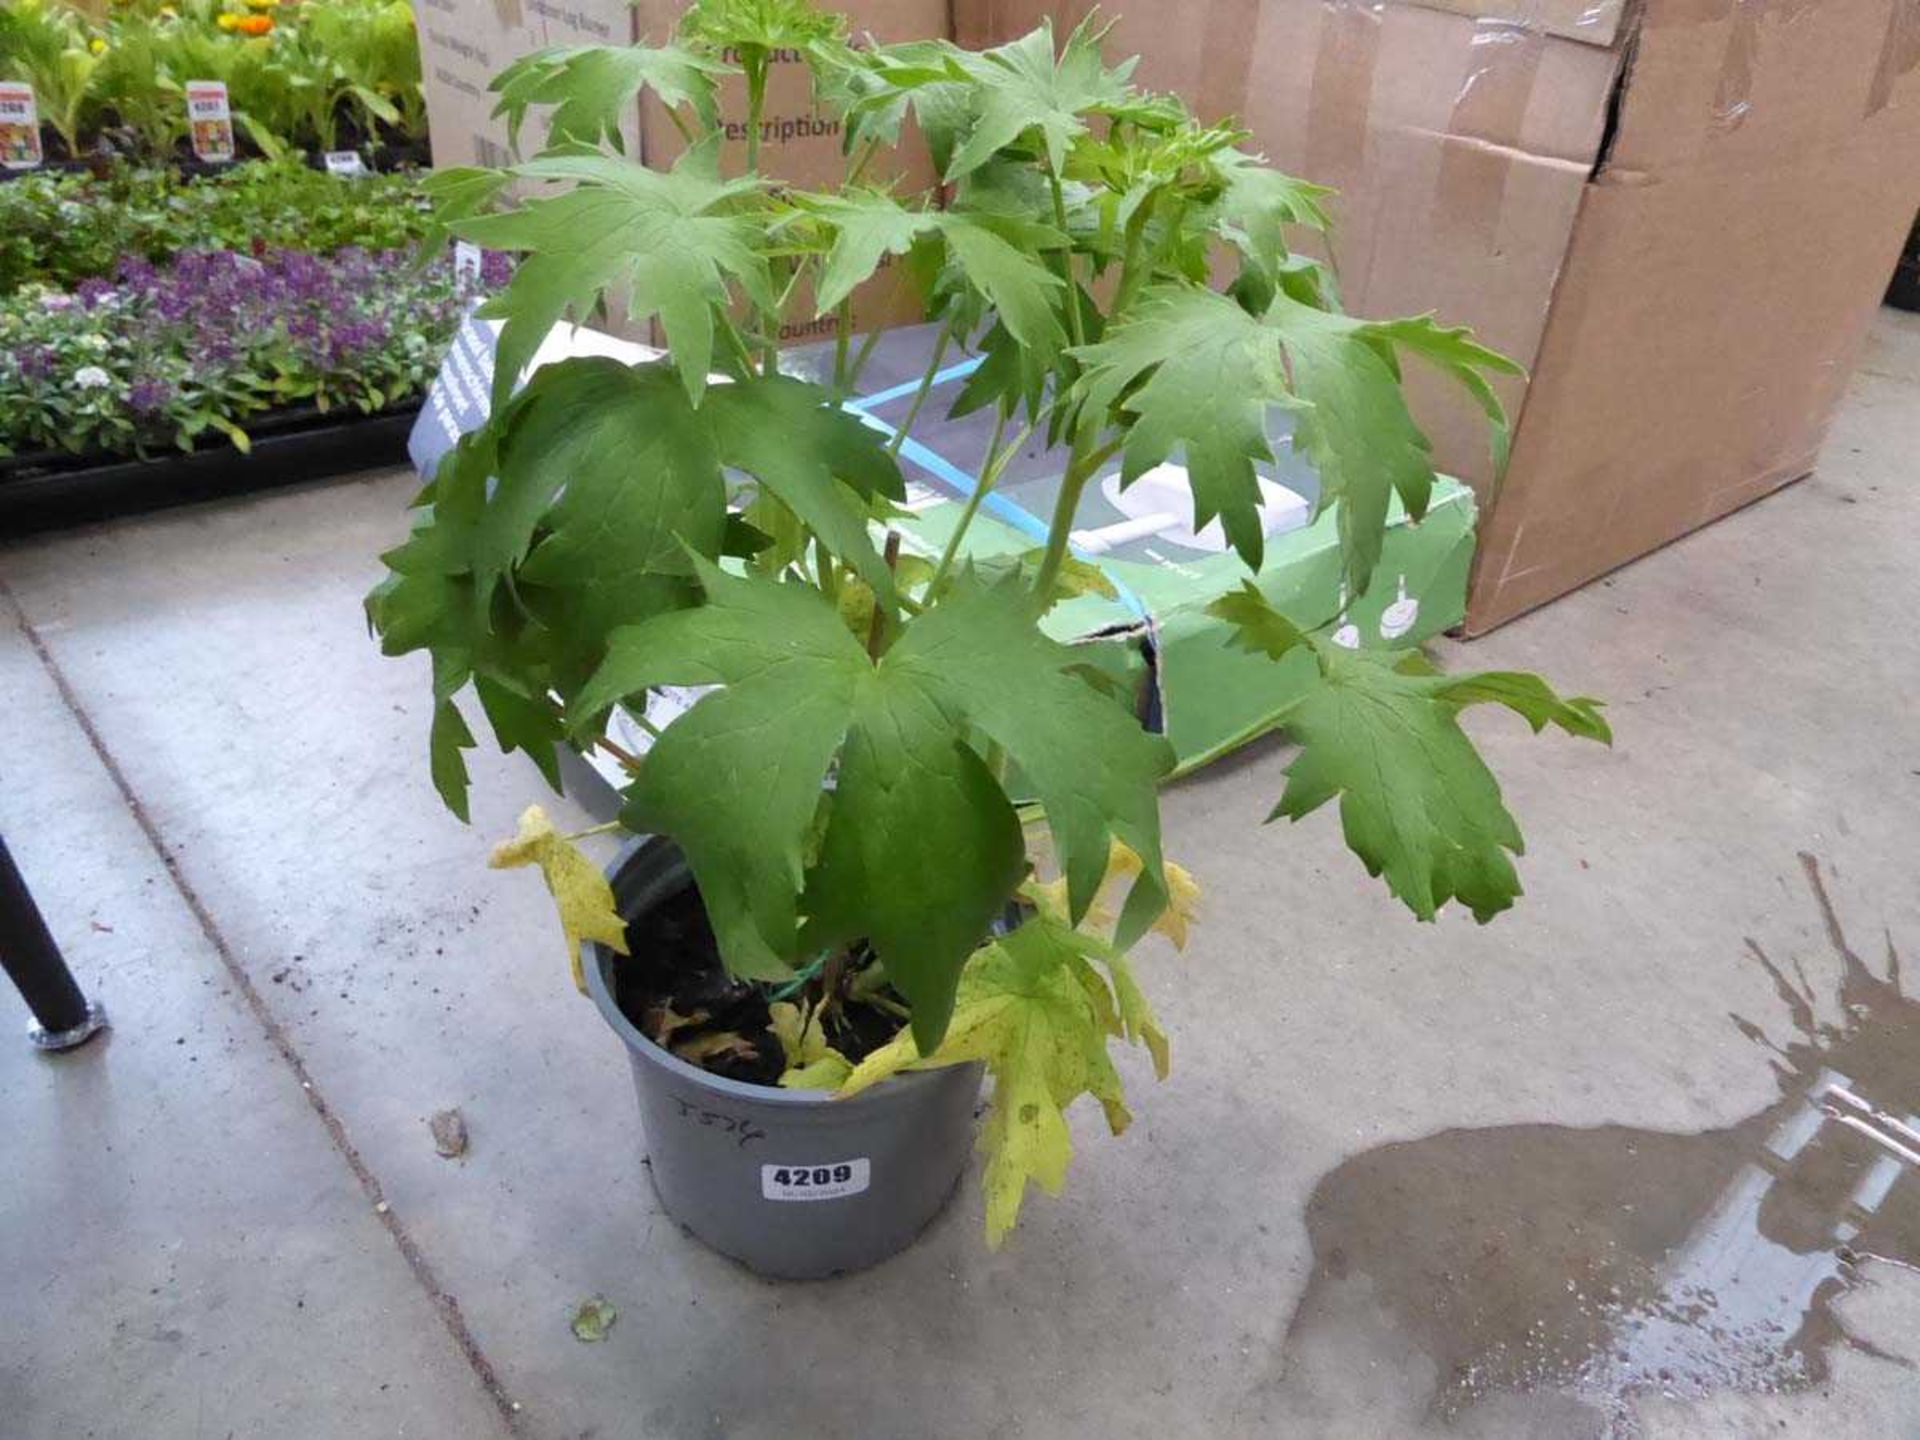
[(791, 1183)]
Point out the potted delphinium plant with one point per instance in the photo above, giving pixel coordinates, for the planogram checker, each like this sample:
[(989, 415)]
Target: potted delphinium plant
[(903, 835)]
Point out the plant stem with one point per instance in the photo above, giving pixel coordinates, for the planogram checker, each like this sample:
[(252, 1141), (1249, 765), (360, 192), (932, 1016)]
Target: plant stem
[(735, 343), (877, 630), (997, 459), (1082, 466), (827, 569), (864, 354), (1131, 275), (842, 338), (1074, 324), (626, 757), (770, 321), (867, 152), (793, 283), (755, 64), (920, 395), (829, 988), (590, 832)]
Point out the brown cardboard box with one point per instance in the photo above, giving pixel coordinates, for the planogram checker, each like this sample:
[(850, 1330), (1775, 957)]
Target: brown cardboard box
[(465, 43), (1680, 215)]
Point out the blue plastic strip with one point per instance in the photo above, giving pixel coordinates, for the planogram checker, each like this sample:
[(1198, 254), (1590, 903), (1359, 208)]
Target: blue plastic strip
[(997, 505), (907, 387)]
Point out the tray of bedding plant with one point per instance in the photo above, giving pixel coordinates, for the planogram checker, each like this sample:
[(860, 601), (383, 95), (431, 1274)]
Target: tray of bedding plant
[(161, 352), (325, 77)]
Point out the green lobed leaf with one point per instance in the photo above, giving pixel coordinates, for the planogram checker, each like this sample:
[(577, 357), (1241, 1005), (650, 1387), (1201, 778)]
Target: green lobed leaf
[(526, 723), (736, 781), (818, 459), (617, 474), (995, 254), (1190, 370), (1023, 89), (761, 25), (1256, 624), (1353, 422), (1259, 204), (1453, 350), (458, 193), (429, 600), (572, 514), (880, 84), (673, 239), (1417, 803), (446, 739), (921, 847), (593, 88)]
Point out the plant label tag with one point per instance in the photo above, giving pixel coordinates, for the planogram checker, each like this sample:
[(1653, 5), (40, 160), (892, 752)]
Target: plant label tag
[(834, 1180), (210, 121), (345, 163), (19, 128), (466, 262)]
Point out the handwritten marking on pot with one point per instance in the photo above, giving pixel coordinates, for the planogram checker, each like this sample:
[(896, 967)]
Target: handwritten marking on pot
[(711, 1119), (833, 1180)]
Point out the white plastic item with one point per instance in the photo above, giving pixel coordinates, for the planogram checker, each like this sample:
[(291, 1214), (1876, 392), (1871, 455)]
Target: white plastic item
[(1164, 495)]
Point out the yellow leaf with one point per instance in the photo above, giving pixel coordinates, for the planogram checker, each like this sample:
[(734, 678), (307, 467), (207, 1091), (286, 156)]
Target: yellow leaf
[(1026, 1133), (580, 892), (701, 1048), (664, 1022), (825, 1073), (1137, 1016), (1183, 905), (1033, 1009), (801, 1035), (812, 1064), (1123, 866), (1183, 892)]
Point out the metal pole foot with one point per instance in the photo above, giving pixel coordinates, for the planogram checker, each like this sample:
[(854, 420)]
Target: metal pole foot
[(42, 1038)]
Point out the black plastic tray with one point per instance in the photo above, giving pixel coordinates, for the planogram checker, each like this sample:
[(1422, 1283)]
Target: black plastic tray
[(1904, 292), (43, 492)]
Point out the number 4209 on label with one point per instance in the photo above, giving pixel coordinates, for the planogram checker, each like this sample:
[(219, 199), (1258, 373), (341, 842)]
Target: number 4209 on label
[(831, 1180)]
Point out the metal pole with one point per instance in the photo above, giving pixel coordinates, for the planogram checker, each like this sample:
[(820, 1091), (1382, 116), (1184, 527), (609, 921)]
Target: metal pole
[(63, 1017)]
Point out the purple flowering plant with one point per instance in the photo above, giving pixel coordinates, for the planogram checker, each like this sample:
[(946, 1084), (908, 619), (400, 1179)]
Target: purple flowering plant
[(160, 356)]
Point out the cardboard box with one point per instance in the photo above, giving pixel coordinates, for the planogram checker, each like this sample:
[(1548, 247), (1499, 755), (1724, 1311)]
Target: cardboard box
[(465, 43), (1153, 633), (1679, 215)]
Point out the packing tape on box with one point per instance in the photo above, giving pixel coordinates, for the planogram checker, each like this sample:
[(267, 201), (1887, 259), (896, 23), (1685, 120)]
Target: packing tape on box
[(1484, 127), (1341, 93), (1899, 54)]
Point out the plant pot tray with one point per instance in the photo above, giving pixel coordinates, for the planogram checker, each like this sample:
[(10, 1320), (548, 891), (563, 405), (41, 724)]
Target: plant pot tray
[(44, 491)]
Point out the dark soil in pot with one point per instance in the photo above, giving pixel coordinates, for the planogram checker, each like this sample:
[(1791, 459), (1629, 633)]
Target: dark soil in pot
[(675, 990)]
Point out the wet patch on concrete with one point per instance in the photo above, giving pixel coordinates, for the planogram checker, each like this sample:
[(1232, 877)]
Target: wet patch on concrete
[(1611, 1262)]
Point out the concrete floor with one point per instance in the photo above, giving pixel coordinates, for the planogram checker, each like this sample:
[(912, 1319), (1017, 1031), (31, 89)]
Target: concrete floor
[(1403, 1178)]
